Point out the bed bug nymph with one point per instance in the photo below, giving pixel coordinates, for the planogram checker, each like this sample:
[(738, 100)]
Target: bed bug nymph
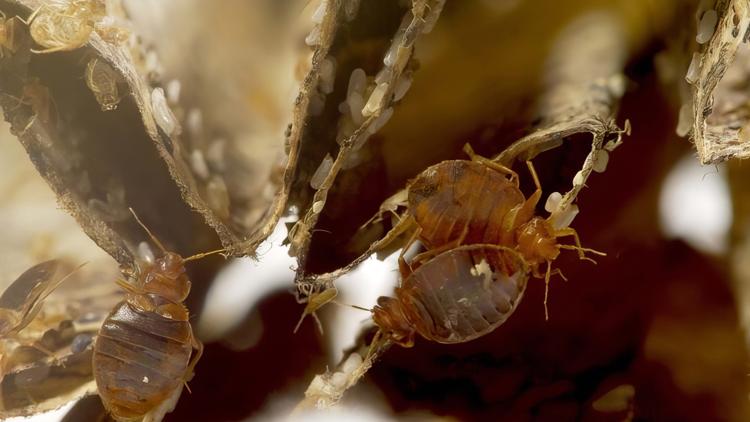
[(144, 349)]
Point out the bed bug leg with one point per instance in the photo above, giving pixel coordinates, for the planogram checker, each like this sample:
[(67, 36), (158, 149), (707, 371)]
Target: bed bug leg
[(569, 231), (198, 346), (491, 164)]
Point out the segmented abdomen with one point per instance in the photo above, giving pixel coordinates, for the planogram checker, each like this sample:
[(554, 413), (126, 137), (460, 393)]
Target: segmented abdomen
[(464, 293), (139, 359), (457, 195)]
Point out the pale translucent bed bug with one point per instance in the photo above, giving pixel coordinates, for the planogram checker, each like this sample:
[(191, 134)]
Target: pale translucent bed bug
[(144, 349)]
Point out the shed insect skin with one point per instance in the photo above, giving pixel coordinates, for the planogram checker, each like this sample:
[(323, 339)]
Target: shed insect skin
[(22, 299), (455, 297), (66, 25), (144, 349)]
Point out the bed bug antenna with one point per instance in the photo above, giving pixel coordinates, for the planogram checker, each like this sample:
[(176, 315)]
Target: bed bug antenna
[(204, 254), (151, 235)]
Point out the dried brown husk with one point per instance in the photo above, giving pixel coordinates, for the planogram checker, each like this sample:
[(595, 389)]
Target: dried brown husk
[(354, 44), (720, 95), (234, 103)]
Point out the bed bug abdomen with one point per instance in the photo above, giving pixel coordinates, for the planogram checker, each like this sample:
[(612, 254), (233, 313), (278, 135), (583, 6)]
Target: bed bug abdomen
[(457, 296), (140, 358), (462, 200)]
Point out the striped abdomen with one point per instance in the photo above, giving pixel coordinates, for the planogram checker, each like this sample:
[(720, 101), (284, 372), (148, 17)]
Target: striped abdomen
[(464, 293), (457, 196), (140, 358)]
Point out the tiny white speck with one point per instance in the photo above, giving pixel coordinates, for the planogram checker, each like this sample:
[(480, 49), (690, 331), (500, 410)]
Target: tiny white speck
[(145, 380)]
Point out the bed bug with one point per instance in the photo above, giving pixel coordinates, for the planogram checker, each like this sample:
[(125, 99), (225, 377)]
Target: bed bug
[(477, 201), (461, 202), (457, 296), (145, 348), (64, 25)]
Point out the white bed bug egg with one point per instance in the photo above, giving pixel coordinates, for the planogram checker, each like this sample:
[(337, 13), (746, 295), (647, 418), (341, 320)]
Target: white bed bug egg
[(173, 91), (553, 201), (317, 206), (381, 120), (565, 217), (316, 181), (199, 165), (152, 63), (338, 380), (601, 159), (693, 69), (706, 26), (313, 38), (145, 254), (327, 75), (215, 154), (162, 113), (685, 119), (194, 122), (393, 52), (578, 179), (351, 363), (354, 95), (217, 196), (376, 97), (320, 12), (402, 87), (384, 75)]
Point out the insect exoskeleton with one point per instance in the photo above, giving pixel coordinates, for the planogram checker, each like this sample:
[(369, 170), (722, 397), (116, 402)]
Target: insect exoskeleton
[(64, 25), (457, 296), (102, 80), (145, 348), (22, 299)]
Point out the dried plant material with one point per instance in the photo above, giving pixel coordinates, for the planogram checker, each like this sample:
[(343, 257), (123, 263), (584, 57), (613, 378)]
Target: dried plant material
[(234, 104), (367, 108), (583, 85), (88, 160), (719, 75), (326, 390)]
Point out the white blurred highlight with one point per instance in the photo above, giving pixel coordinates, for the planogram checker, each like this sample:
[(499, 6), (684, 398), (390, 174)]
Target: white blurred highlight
[(695, 205), (361, 287), (240, 285), (51, 416)]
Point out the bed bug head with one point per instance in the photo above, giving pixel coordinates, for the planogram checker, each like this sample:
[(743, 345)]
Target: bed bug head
[(537, 241), (167, 277), (389, 317)]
